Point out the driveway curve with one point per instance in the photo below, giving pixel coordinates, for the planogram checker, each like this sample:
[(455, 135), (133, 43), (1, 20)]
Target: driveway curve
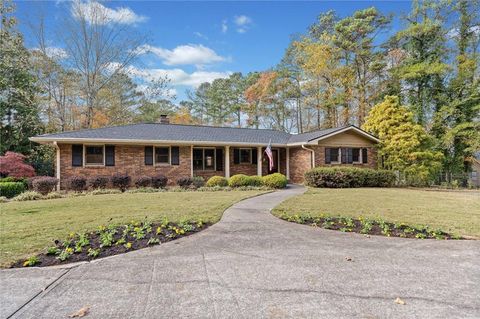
[(253, 265)]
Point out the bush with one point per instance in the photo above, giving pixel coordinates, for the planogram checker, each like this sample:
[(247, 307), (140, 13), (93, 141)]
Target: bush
[(98, 182), (11, 189), (198, 181), (255, 180), (184, 182), (13, 164), (22, 180), (219, 181), (121, 181), (143, 181), (348, 177), (275, 180), (159, 181), (77, 183), (238, 180), (44, 184), (30, 195)]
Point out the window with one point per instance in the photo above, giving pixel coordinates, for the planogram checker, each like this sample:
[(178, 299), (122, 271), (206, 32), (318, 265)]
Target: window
[(356, 155), (334, 155), (245, 155), (94, 155), (203, 159), (162, 155)]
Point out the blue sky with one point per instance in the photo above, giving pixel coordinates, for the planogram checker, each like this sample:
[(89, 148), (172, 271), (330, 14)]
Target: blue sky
[(193, 42)]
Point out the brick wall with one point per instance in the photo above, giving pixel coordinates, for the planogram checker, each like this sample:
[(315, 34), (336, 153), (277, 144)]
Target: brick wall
[(300, 160), (129, 159)]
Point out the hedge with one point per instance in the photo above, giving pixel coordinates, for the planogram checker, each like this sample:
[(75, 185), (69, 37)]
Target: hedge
[(77, 183), (11, 189), (98, 182), (239, 180), (275, 180), (120, 181), (44, 184), (159, 181), (348, 177)]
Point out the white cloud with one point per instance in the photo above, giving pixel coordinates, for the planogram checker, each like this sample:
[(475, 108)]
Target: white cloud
[(193, 54), (453, 33), (97, 13), (243, 23), (177, 76), (224, 26), (54, 52), (200, 35)]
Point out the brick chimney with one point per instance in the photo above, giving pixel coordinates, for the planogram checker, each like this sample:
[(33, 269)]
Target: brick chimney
[(164, 119)]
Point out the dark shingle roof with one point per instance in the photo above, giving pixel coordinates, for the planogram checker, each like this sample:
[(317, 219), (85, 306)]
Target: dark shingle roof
[(187, 133)]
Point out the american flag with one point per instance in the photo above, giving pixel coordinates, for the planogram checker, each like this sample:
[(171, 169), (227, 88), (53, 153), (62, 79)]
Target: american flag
[(269, 153)]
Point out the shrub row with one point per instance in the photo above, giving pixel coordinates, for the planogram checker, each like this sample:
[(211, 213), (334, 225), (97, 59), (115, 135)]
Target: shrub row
[(120, 181), (275, 180), (348, 177)]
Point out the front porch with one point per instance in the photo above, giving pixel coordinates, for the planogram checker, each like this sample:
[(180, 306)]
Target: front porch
[(228, 161)]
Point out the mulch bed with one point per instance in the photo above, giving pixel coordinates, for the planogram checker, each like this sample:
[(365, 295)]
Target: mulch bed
[(112, 240), (371, 227)]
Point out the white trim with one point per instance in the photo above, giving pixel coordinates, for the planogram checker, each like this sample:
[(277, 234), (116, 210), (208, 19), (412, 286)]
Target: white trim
[(191, 160), (365, 134), (85, 164), (227, 161), (259, 160)]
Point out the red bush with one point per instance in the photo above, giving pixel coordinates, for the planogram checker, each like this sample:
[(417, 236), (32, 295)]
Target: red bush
[(13, 164)]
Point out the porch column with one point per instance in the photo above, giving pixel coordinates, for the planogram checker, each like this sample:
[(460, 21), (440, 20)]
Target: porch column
[(259, 161), (191, 160), (57, 164), (288, 163), (227, 161)]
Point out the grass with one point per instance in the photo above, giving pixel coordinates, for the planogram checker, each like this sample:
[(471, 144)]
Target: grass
[(30, 226), (456, 212)]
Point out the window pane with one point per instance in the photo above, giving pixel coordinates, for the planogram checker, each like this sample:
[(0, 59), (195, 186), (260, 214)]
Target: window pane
[(94, 155), (197, 159), (209, 159), (245, 155), (334, 155), (161, 155), (356, 154)]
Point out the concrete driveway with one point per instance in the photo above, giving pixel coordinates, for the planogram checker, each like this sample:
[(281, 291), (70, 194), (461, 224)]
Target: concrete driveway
[(253, 265)]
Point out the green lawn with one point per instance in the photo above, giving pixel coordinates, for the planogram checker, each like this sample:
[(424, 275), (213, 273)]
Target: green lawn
[(28, 227), (456, 212)]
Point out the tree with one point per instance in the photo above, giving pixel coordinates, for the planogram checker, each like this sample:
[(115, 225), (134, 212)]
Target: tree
[(18, 110), (97, 48), (13, 164), (404, 145)]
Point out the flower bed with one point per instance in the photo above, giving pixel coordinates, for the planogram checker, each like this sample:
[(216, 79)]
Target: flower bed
[(370, 227), (111, 240)]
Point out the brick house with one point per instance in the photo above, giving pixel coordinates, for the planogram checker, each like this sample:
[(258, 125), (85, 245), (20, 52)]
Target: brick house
[(188, 150)]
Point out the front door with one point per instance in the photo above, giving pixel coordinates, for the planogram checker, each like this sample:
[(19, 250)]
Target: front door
[(275, 163)]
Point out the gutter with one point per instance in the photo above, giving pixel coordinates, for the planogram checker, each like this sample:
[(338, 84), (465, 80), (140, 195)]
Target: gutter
[(312, 162)]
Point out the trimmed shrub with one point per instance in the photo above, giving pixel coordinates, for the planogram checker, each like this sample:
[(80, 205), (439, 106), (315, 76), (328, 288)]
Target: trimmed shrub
[(198, 181), (184, 182), (219, 181), (159, 181), (143, 181), (30, 181), (11, 189), (120, 181), (77, 183), (255, 180), (30, 195), (44, 184), (238, 180), (98, 182), (348, 177), (275, 180)]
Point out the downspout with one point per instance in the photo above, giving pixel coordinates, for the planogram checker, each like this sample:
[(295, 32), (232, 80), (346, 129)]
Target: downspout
[(57, 166), (312, 162)]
